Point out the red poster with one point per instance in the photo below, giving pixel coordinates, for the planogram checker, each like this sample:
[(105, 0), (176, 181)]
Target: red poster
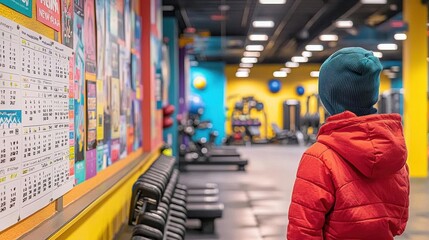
[(48, 13)]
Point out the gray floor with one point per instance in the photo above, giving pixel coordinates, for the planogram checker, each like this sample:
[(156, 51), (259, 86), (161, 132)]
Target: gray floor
[(257, 201)]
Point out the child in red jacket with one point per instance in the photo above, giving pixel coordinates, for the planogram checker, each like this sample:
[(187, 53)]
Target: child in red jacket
[(353, 182)]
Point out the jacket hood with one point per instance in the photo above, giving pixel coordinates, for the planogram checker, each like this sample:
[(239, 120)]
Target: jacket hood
[(374, 144)]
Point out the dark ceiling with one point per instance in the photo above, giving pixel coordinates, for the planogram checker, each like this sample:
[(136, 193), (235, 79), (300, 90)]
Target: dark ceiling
[(297, 23)]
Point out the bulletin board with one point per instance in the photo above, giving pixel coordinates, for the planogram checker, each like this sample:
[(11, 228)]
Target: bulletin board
[(35, 136), (66, 113)]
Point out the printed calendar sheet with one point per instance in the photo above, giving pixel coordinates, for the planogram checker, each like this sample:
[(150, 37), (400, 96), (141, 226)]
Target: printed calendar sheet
[(36, 121)]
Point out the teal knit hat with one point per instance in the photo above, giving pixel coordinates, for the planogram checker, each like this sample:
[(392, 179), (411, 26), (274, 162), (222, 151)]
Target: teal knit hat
[(349, 80)]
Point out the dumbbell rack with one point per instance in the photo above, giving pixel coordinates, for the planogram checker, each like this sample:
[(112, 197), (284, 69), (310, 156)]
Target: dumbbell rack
[(158, 206)]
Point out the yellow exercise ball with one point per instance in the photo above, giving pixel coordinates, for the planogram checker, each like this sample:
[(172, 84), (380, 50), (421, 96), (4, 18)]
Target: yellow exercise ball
[(200, 82)]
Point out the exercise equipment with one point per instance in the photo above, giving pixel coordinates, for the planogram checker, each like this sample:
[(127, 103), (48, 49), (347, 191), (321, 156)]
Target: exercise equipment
[(391, 101), (199, 82), (160, 205), (300, 90), (310, 122), (203, 151), (245, 127), (274, 85)]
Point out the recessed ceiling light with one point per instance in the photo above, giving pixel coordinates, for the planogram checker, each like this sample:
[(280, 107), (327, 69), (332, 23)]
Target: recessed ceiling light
[(246, 65), (378, 54), (286, 70), (279, 74), (243, 70), (241, 74), (400, 36), (387, 46), (299, 59), (314, 74), (224, 8), (168, 8), (314, 48), (254, 48), (292, 64), (272, 1), (328, 37), (258, 37), (373, 1), (344, 24), (307, 54), (251, 54), (263, 24), (249, 60)]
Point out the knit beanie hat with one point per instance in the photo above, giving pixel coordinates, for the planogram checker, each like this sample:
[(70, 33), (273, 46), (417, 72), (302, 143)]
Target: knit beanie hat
[(349, 80)]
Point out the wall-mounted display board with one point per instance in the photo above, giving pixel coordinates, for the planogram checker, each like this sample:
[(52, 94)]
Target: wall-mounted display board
[(36, 131), (67, 111)]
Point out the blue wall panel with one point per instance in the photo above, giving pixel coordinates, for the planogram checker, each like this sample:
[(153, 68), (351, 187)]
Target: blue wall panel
[(213, 96), (170, 31)]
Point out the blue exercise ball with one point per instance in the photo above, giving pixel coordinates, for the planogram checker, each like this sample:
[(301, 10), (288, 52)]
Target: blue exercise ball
[(300, 90), (196, 105), (274, 85)]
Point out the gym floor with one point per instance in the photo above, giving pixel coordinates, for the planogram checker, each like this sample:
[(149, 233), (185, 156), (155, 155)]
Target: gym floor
[(257, 201)]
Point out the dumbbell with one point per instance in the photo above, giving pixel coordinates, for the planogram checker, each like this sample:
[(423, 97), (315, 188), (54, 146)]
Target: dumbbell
[(176, 226), (152, 219), (144, 196), (176, 223), (173, 236), (147, 232), (140, 238), (157, 180)]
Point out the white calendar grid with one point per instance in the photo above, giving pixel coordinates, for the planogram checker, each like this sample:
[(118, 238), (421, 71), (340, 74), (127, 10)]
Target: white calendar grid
[(34, 122)]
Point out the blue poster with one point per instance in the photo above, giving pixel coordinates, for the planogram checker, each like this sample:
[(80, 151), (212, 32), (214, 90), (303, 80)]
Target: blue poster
[(79, 91), (22, 6)]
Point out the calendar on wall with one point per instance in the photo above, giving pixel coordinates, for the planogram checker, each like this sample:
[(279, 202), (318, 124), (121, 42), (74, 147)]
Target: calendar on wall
[(36, 121)]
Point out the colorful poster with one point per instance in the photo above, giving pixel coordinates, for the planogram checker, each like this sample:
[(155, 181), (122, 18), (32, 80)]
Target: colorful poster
[(115, 109), (100, 110), (91, 113), (106, 153), (125, 81), (67, 22), (48, 13), (137, 34), (138, 133), (91, 163), (101, 37), (114, 59), (120, 14), (123, 138), (115, 148), (113, 19), (101, 159), (79, 90), (135, 69), (127, 23), (89, 36), (25, 7), (78, 7)]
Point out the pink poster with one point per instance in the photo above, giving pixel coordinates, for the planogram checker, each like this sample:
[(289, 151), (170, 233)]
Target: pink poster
[(91, 163), (89, 33), (48, 13)]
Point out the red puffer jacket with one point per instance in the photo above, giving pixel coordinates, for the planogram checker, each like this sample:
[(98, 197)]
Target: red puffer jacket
[(353, 182)]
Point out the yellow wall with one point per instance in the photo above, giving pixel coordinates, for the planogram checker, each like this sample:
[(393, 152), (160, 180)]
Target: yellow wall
[(257, 85)]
